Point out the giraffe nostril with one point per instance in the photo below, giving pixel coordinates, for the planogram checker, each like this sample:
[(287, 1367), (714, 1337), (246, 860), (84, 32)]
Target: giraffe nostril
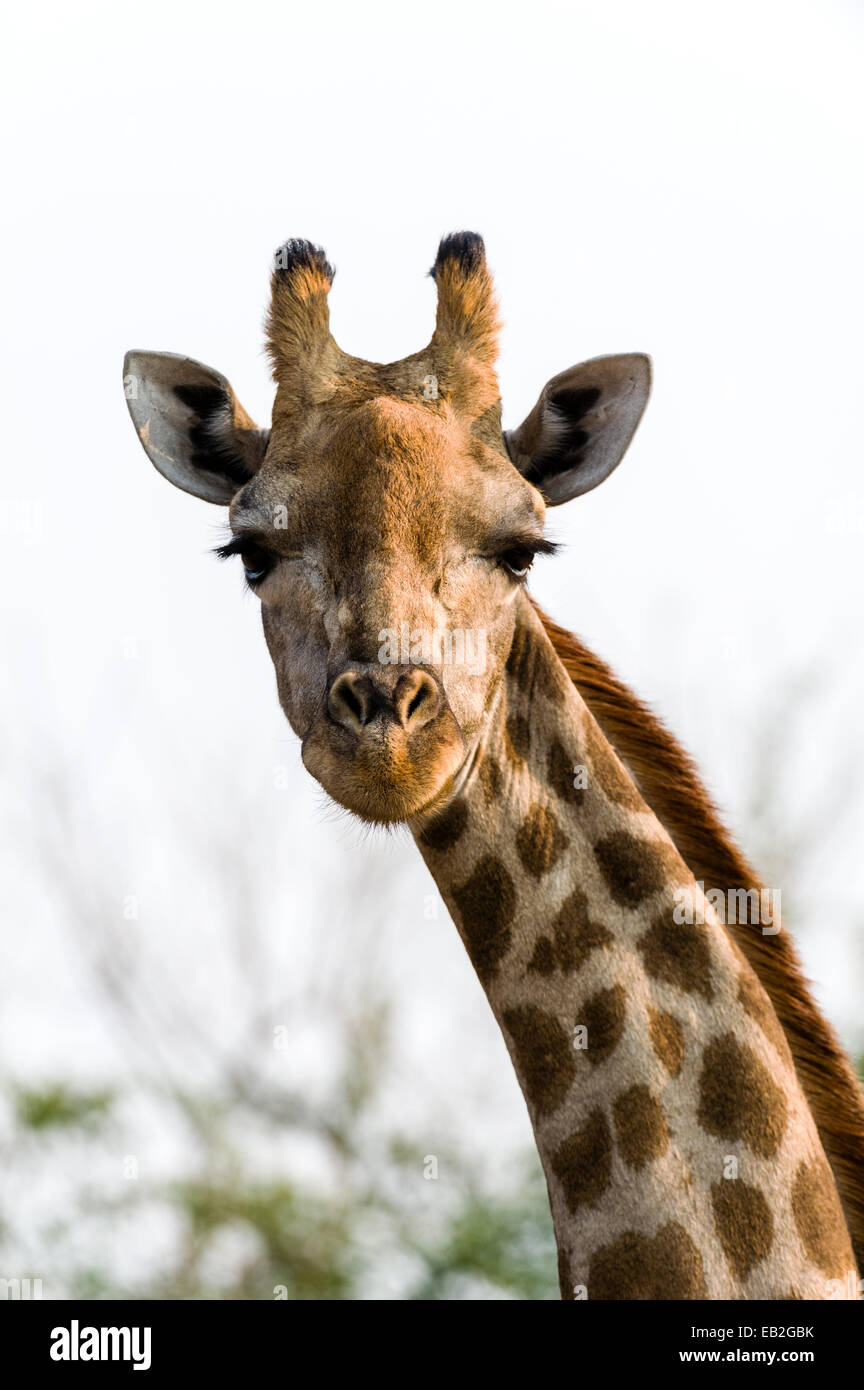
[(354, 700), (353, 704), (416, 700), (350, 701)]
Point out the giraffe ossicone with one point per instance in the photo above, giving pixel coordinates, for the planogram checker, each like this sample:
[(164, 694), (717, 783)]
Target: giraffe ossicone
[(681, 1153)]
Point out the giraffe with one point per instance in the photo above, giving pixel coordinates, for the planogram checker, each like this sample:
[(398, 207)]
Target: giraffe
[(388, 524)]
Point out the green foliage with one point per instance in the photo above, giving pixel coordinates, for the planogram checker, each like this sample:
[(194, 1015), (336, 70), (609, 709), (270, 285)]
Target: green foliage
[(303, 1244), (374, 1226), (60, 1107), (506, 1243)]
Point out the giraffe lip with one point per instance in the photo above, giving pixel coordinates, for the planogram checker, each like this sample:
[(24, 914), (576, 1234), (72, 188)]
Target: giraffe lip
[(382, 773)]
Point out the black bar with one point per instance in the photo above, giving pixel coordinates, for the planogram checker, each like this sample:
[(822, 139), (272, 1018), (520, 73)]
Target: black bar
[(223, 1338)]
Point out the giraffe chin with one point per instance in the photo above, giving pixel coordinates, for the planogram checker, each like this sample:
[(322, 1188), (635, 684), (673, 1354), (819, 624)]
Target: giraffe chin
[(385, 776)]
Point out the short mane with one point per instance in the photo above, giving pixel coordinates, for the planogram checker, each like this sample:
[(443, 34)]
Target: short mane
[(669, 781)]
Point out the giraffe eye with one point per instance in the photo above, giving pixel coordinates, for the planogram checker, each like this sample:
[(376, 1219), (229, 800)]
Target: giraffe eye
[(517, 558), (256, 565), (517, 561), (257, 562)]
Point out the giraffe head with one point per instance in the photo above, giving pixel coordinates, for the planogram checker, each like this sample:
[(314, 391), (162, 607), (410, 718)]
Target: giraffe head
[(384, 520)]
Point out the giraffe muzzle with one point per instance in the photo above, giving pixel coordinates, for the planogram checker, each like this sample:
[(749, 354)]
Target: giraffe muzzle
[(410, 698), (385, 742)]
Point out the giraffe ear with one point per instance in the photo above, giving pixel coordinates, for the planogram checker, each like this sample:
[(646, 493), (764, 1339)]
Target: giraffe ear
[(192, 427), (579, 430)]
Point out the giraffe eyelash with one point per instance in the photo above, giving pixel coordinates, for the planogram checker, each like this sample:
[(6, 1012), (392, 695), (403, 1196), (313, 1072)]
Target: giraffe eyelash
[(518, 558), (257, 560)]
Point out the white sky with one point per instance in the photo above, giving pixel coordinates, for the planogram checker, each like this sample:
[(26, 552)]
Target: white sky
[(674, 178)]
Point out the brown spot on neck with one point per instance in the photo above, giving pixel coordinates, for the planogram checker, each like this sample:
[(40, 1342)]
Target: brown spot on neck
[(517, 740), (583, 1163), (667, 1039), (640, 1127), (757, 1004), (446, 830), (576, 934), (533, 667), (603, 1017), (543, 1056), (486, 903), (561, 773), (543, 961), (819, 1219), (739, 1099), (665, 1266), (540, 841), (744, 1224), (491, 778), (634, 869), (679, 955), (607, 771)]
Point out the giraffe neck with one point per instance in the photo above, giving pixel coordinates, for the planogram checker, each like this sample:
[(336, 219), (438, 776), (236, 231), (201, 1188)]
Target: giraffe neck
[(680, 1156)]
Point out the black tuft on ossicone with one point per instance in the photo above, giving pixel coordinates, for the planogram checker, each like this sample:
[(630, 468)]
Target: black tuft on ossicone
[(467, 248), (296, 253)]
